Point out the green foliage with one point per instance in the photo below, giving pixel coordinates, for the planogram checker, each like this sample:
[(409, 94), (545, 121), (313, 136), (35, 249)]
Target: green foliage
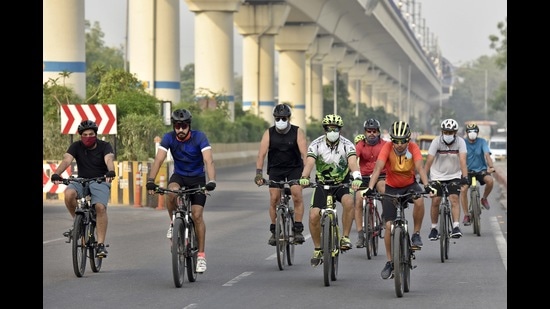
[(500, 43), (136, 133)]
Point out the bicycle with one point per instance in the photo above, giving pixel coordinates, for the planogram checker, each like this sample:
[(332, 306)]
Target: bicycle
[(445, 222), (185, 245), (474, 207), (330, 231), (284, 224), (402, 250), (84, 234), (373, 226)]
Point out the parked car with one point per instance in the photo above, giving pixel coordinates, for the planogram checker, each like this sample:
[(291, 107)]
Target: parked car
[(424, 142), (498, 146)]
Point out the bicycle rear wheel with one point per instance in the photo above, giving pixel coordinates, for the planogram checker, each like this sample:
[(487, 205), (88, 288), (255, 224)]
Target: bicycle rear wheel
[(191, 252), (79, 245), (443, 232), (280, 239), (475, 214), (398, 258), (178, 251), (367, 227), (290, 244), (95, 262), (326, 238)]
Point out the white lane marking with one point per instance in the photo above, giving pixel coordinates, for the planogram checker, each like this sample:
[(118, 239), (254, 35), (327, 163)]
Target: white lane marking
[(502, 245), (238, 278), (49, 241)]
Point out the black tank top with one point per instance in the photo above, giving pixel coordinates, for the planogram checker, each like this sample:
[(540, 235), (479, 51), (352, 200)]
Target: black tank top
[(283, 149)]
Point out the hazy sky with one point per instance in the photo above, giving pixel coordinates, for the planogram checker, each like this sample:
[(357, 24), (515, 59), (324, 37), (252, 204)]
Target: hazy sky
[(462, 27)]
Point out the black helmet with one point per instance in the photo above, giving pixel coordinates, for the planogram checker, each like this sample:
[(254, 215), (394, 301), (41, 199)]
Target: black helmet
[(372, 124), (86, 125), (181, 115), (400, 129), (472, 127), (282, 110)]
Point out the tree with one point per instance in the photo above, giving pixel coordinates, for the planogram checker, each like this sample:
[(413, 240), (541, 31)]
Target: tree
[(500, 44)]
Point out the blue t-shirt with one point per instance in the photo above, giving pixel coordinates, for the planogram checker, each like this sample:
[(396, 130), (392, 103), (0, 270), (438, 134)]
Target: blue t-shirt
[(475, 158), (187, 155)]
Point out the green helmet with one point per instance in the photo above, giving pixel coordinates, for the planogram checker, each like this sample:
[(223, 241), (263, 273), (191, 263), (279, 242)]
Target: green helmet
[(359, 138), (333, 120)]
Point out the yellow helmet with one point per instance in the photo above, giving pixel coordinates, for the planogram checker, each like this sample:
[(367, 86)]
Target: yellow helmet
[(333, 120), (359, 138)]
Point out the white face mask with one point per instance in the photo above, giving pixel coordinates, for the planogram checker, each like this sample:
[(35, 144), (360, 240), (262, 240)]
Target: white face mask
[(472, 135), (281, 125), (448, 138), (333, 136)]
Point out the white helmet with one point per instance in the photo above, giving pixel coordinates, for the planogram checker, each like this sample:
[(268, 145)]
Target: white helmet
[(449, 125)]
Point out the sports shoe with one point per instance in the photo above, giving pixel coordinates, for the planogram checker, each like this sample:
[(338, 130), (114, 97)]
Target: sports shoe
[(201, 264), (416, 240), (456, 232), (485, 203), (466, 220), (317, 258), (360, 240), (272, 241), (345, 243), (101, 252), (434, 234), (169, 233), (299, 238), (387, 272)]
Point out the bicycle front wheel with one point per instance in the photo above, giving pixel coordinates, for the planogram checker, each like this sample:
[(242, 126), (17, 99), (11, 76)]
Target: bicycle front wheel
[(335, 248), (178, 251), (326, 238), (443, 232), (475, 214), (280, 239), (407, 262), (290, 244), (79, 245), (367, 227), (95, 262), (378, 228), (192, 250), (398, 259)]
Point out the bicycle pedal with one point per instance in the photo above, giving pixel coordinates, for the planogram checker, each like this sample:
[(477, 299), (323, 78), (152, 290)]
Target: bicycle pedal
[(416, 248)]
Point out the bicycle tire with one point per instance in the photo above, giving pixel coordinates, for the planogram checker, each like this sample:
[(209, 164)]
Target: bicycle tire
[(378, 230), (336, 249), (327, 244), (475, 211), (280, 239), (397, 257), (407, 262), (367, 227), (79, 245), (443, 231), (449, 229), (291, 245), (178, 251), (192, 251), (95, 262)]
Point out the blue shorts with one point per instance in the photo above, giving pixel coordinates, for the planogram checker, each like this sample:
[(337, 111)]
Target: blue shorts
[(99, 191)]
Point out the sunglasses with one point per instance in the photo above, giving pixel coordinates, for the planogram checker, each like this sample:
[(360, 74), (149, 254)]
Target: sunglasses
[(181, 125), (281, 118), (371, 131), (399, 141), (336, 129)]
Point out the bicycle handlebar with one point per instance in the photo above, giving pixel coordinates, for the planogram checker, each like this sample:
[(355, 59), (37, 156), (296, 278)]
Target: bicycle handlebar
[(329, 185), (268, 182), (411, 194), (181, 191), (82, 180)]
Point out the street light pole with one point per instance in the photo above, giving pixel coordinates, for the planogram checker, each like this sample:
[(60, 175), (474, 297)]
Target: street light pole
[(486, 116)]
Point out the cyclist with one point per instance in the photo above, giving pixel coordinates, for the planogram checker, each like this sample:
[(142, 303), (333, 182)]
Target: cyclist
[(94, 158), (480, 164), (192, 155), (401, 158), (446, 163), (367, 150), (333, 157), (286, 150)]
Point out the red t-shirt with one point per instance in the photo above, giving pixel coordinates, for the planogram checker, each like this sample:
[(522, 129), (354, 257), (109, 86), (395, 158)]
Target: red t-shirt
[(400, 170), (367, 155)]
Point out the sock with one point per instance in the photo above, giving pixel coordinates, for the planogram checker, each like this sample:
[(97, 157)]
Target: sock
[(201, 254)]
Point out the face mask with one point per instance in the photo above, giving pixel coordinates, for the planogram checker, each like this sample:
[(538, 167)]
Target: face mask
[(281, 125), (89, 141), (333, 136), (374, 140), (448, 138), (472, 135)]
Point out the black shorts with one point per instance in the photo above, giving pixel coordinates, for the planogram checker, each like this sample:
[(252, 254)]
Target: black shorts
[(389, 212), (198, 198)]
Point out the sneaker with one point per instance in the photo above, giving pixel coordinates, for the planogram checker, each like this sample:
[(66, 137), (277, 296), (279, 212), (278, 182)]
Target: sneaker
[(466, 220), (317, 258), (456, 232), (272, 241), (434, 234), (485, 203), (387, 272), (416, 240), (101, 252), (345, 243), (299, 238), (201, 264), (360, 240), (169, 233)]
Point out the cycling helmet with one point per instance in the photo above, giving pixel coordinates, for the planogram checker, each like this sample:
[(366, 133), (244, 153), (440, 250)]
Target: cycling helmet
[(372, 124), (472, 127), (86, 125), (181, 115), (359, 138), (449, 125), (400, 130), (282, 110), (333, 120)]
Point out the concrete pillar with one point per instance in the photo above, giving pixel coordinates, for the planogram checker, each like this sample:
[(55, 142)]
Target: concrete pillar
[(330, 65), (355, 74), (64, 44), (292, 43), (259, 23), (214, 50), (167, 85), (318, 49), (141, 42)]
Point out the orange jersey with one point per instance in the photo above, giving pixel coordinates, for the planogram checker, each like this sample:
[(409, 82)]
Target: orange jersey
[(400, 170)]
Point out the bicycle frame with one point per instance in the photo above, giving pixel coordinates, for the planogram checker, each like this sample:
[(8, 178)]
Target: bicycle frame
[(445, 223), (474, 207)]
